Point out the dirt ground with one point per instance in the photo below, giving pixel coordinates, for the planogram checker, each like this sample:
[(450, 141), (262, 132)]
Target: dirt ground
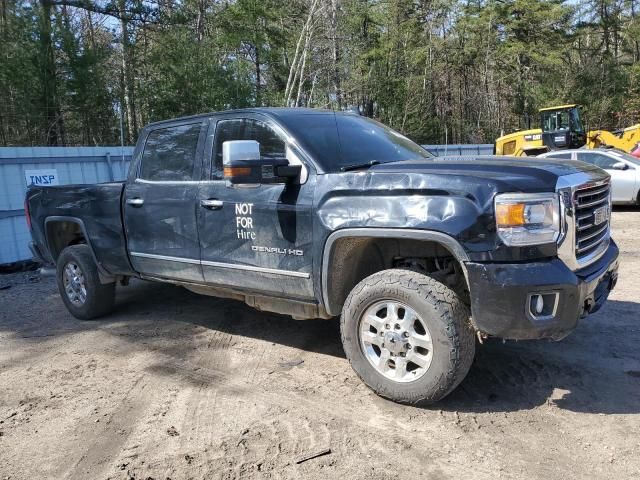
[(175, 385)]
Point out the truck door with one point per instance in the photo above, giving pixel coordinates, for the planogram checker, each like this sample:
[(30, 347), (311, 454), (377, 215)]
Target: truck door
[(159, 203), (256, 238)]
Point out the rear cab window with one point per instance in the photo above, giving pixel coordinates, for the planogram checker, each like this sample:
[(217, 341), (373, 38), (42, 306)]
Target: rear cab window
[(170, 153)]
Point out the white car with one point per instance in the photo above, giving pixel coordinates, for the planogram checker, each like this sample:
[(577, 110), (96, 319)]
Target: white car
[(623, 168)]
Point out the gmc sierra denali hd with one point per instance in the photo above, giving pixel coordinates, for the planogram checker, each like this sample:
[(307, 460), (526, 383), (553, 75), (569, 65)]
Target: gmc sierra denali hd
[(318, 214)]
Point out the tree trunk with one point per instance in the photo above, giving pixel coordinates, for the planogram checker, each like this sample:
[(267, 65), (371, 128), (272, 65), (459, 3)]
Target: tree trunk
[(3, 131), (302, 68), (127, 70), (90, 28), (636, 42), (200, 20), (258, 78), (336, 53), (52, 118), (293, 70), (3, 12)]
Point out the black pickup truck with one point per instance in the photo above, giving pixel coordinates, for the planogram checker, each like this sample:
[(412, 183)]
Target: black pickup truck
[(318, 214)]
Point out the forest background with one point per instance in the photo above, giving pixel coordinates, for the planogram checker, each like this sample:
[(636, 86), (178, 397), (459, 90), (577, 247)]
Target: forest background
[(73, 72)]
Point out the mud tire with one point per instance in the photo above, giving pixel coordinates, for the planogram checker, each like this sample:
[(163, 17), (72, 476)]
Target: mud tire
[(448, 320), (99, 297)]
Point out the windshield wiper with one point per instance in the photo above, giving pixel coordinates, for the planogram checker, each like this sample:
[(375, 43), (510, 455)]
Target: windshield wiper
[(358, 166)]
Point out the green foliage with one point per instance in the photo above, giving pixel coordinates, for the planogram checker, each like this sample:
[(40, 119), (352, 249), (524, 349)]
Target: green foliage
[(437, 70), (184, 77), (20, 78)]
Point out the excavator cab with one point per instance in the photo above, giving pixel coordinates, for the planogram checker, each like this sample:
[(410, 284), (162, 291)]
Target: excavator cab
[(562, 127)]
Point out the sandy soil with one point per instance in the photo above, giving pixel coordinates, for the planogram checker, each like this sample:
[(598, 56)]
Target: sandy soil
[(174, 385)]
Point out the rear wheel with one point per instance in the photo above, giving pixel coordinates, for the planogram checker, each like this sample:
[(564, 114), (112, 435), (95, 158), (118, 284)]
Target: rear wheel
[(407, 336), (79, 284)]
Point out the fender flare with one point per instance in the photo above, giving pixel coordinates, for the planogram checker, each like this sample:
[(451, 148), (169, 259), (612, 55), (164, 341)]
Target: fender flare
[(104, 274), (443, 239)]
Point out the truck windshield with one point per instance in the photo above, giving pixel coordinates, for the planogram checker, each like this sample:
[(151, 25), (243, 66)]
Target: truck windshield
[(342, 140)]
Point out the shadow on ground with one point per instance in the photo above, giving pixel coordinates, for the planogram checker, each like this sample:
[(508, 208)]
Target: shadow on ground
[(511, 377), (230, 317), (579, 374), (505, 376), (626, 208)]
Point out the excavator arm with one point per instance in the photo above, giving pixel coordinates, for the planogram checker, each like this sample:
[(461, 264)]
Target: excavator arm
[(627, 139)]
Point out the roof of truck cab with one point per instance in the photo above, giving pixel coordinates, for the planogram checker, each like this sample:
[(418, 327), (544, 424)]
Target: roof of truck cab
[(277, 112)]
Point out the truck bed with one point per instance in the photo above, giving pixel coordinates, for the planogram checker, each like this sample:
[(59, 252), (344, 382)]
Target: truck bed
[(92, 210)]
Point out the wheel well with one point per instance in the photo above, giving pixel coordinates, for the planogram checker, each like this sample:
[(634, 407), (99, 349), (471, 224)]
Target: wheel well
[(354, 258), (61, 234)]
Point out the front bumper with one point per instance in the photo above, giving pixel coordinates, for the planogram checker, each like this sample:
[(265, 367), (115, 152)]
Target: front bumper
[(501, 295)]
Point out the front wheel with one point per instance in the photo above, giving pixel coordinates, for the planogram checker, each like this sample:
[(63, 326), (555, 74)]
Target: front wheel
[(79, 284), (407, 336)]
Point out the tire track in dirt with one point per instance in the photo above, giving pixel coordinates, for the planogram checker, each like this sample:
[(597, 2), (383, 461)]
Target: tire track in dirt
[(281, 436), (107, 440), (565, 409), (353, 435)]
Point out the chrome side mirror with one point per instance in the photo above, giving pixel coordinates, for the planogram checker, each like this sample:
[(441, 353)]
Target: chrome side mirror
[(241, 161), (243, 164)]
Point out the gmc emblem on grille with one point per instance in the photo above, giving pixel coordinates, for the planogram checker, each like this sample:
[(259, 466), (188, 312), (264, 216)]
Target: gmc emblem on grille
[(600, 215)]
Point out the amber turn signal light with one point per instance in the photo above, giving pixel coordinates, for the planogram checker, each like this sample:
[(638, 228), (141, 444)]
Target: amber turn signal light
[(510, 214), (237, 171)]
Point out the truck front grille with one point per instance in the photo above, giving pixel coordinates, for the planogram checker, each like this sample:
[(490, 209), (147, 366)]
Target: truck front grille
[(592, 213)]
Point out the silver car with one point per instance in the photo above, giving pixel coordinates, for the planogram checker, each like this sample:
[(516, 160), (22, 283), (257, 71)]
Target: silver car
[(623, 168)]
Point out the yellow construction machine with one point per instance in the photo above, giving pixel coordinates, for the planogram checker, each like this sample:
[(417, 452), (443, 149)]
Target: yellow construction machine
[(626, 139), (562, 128)]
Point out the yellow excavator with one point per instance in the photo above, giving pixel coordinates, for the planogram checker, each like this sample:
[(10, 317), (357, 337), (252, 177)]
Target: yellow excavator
[(626, 139), (562, 128)]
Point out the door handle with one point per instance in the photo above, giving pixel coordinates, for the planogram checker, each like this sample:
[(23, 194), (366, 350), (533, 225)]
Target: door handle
[(135, 202), (212, 204)]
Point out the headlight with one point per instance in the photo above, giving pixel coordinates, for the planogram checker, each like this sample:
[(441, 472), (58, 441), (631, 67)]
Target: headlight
[(527, 218)]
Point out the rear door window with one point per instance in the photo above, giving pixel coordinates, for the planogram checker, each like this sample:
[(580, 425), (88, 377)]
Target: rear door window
[(170, 153)]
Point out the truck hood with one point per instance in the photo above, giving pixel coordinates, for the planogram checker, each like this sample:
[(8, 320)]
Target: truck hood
[(453, 195), (505, 173)]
